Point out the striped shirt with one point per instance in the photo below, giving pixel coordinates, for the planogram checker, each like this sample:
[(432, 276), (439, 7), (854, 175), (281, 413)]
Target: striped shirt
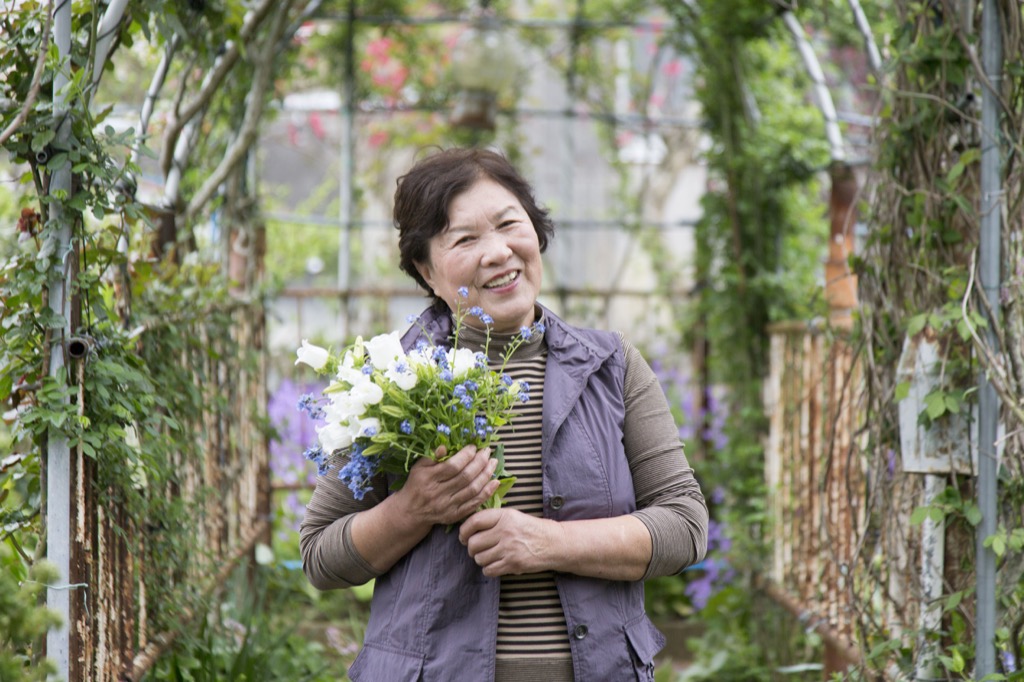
[(530, 618)]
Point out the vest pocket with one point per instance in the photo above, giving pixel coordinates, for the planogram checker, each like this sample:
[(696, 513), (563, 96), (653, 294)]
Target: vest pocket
[(645, 641), (375, 663)]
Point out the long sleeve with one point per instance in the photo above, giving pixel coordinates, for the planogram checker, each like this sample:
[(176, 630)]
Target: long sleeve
[(329, 559), (669, 500)]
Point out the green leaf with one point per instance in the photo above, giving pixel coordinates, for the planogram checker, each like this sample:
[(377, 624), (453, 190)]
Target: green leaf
[(973, 514), (935, 404), (916, 324), (6, 384), (902, 391), (997, 543), (42, 139), (919, 515), (953, 600), (392, 411)]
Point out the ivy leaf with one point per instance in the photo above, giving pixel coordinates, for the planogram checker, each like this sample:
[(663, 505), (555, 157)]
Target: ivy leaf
[(916, 324), (953, 600), (902, 391), (973, 514), (42, 139), (997, 543), (922, 513), (935, 404)]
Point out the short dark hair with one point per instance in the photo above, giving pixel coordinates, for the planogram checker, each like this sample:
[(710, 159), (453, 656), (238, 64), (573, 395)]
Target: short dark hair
[(425, 193)]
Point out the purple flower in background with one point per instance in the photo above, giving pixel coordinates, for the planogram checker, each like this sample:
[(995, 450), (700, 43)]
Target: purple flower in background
[(718, 539), (1009, 662), (891, 462), (701, 589), (718, 495), (293, 432)]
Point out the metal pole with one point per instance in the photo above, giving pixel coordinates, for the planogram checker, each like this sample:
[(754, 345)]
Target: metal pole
[(58, 453), (563, 260), (348, 169), (989, 275)]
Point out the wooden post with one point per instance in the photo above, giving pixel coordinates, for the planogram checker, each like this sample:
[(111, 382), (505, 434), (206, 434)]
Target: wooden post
[(840, 283)]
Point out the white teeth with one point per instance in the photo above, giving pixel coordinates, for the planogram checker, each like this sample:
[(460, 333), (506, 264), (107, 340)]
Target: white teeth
[(502, 281)]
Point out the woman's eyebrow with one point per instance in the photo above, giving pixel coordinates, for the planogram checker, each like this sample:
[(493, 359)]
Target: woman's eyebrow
[(496, 217)]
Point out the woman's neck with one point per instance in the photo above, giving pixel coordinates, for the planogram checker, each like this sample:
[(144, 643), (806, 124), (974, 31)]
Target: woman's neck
[(476, 339)]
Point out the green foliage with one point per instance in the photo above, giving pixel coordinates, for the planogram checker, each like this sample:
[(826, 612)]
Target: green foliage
[(918, 276), (749, 639), (950, 503), (260, 634), (22, 621), (134, 405), (760, 241)]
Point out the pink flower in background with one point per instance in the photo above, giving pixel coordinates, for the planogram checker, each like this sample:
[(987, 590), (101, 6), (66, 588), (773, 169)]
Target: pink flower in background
[(380, 49), (378, 139)]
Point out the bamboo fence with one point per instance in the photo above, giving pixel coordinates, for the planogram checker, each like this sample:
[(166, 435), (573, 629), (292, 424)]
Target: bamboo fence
[(816, 477), (111, 634)]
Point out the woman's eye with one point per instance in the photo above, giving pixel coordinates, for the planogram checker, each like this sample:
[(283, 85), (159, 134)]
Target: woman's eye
[(463, 241), (509, 223)]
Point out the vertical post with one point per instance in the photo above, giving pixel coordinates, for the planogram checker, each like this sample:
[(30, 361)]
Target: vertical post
[(933, 547), (348, 168), (989, 275), (840, 283), (563, 261), (58, 453)]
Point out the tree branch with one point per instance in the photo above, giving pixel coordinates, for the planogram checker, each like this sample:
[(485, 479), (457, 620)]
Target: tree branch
[(155, 86), (211, 83), (821, 91), (37, 79), (106, 32), (870, 46), (246, 136)]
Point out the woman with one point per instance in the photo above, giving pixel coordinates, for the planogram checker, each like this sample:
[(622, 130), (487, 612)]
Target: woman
[(549, 587)]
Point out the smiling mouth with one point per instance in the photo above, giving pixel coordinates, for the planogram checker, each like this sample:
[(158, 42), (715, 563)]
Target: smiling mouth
[(504, 280)]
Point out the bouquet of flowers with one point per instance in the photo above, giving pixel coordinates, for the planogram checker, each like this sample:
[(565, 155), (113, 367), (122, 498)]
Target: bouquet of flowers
[(389, 407)]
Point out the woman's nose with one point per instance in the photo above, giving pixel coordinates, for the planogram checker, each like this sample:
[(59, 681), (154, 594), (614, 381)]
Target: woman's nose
[(496, 249)]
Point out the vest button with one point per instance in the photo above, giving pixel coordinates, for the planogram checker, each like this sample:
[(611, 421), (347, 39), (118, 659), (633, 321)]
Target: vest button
[(580, 631), (557, 501)]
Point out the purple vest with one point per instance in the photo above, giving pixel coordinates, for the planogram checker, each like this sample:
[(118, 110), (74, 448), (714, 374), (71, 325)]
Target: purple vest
[(434, 615)]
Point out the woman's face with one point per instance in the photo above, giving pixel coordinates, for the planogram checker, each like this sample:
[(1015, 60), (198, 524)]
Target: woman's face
[(491, 248)]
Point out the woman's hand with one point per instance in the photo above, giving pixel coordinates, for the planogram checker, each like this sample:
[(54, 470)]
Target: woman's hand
[(449, 491), (509, 542)]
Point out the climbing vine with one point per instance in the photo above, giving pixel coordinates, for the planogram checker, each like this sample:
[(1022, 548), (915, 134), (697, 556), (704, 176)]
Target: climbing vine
[(153, 328), (919, 282)]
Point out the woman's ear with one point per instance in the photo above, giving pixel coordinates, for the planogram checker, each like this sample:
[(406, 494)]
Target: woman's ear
[(426, 272)]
